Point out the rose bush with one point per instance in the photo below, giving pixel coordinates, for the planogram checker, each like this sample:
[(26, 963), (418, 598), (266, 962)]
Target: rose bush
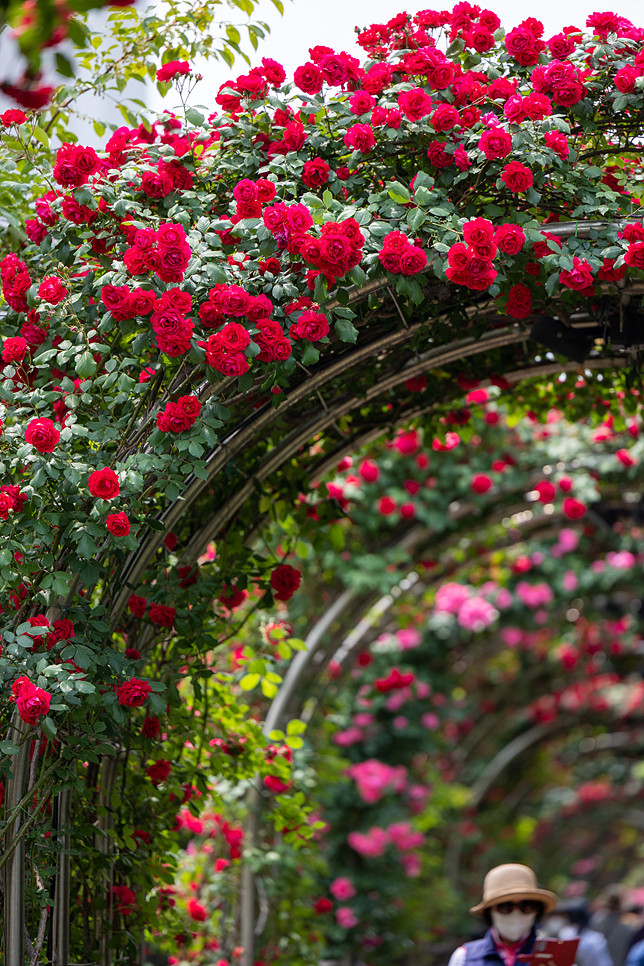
[(185, 303)]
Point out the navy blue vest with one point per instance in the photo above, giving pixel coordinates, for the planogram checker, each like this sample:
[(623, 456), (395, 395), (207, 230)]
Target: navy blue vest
[(483, 952)]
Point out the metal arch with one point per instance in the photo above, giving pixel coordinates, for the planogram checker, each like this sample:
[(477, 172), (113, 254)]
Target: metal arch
[(361, 439), (298, 437)]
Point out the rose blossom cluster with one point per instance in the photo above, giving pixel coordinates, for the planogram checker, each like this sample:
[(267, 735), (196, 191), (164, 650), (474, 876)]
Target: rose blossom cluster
[(32, 702), (75, 165), (374, 779), (165, 252), (399, 256), (16, 282), (180, 416), (470, 263)]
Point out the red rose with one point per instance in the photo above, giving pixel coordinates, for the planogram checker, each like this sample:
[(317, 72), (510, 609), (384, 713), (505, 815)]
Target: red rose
[(150, 727), (133, 693), (625, 79), (162, 615), (517, 177), (104, 484), (13, 116), (479, 235), (360, 137), (62, 630), (633, 257), (311, 326), (323, 905), (558, 143), (480, 483), (32, 703), (308, 78), (523, 46), (43, 435), (13, 349), (141, 301), (285, 580), (495, 143), (546, 491), (412, 261), (386, 506), (35, 231), (315, 173), (52, 290), (34, 334), (159, 771), (438, 156), (444, 118), (625, 458), (361, 102), (519, 301), (116, 299), (579, 278), (604, 23), (196, 911), (125, 899), (174, 68), (233, 365), (510, 238), (118, 524), (415, 104), (276, 784), (573, 509), (137, 605)]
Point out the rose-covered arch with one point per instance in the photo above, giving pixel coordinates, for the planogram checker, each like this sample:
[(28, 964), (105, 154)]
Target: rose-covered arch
[(208, 313), (496, 743)]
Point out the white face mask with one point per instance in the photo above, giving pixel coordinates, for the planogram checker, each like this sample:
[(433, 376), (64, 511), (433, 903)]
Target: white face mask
[(514, 926), (554, 924)]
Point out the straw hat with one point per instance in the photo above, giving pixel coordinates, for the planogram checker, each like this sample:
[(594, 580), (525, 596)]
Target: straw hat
[(513, 882)]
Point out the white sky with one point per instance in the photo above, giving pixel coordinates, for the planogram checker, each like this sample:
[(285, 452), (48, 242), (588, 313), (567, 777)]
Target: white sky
[(331, 22)]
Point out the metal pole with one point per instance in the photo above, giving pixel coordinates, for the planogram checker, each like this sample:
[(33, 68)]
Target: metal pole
[(248, 880), (14, 902), (273, 718), (60, 920), (103, 843)]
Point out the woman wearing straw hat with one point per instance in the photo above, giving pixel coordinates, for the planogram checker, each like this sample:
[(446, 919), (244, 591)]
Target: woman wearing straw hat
[(512, 905)]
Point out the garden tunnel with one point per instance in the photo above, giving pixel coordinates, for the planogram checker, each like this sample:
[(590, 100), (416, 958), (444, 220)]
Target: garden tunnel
[(202, 329)]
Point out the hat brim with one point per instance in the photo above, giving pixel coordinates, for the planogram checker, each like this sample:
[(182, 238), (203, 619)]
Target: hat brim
[(548, 899)]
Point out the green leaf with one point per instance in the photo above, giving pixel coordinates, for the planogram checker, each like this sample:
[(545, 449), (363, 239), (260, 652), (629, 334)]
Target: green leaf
[(337, 536), (294, 742), (398, 192), (297, 644), (269, 690), (41, 135), (85, 365), (63, 66), (416, 218), (49, 727), (86, 547), (195, 117), (310, 355), (346, 330), (249, 681), (295, 727)]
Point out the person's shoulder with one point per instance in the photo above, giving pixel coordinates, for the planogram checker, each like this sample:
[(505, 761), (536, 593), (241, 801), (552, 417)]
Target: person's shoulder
[(635, 954), (458, 957)]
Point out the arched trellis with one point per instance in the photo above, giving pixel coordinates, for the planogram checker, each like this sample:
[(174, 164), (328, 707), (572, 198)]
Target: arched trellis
[(395, 347), (353, 620)]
